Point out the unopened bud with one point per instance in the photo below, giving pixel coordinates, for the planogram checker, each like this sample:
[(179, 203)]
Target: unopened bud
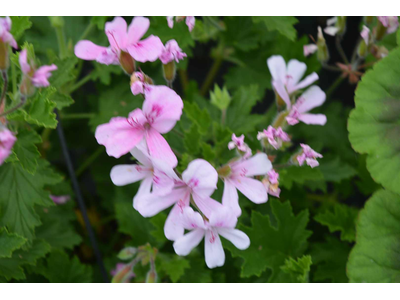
[(151, 276), (127, 253), (123, 273), (169, 71), (26, 88), (180, 19), (368, 20), (322, 53), (4, 62), (380, 31), (127, 62), (57, 21), (341, 25), (362, 50), (379, 51)]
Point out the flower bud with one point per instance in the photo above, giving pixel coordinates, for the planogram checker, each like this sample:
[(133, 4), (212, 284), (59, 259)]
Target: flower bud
[(322, 53), (151, 276), (26, 88), (127, 62), (341, 25), (169, 71), (4, 61), (380, 31), (127, 253), (362, 50), (56, 21), (123, 273), (368, 20)]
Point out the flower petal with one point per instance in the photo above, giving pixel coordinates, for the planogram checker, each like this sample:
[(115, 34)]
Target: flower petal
[(281, 90), (191, 219), (163, 106), (307, 81), (118, 136), (277, 67), (331, 30), (313, 97), (230, 197), (127, 174), (236, 237), (144, 189), (201, 176), (23, 61), (313, 119), (141, 153), (159, 147), (87, 50), (214, 253), (206, 205), (148, 49), (223, 217), (253, 189), (295, 71), (258, 164), (186, 243), (152, 204), (137, 29), (116, 31), (173, 228)]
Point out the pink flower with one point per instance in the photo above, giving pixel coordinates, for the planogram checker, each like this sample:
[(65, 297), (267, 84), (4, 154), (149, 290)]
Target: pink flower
[(171, 52), (123, 273), (162, 108), (311, 98), (286, 79), (198, 183), (39, 77), (240, 145), (309, 49), (222, 222), (391, 23), (275, 136), (240, 177), (155, 174), (5, 35), (365, 34), (271, 183), (309, 156), (7, 140), (190, 21), (124, 39), (139, 85), (332, 29), (60, 199)]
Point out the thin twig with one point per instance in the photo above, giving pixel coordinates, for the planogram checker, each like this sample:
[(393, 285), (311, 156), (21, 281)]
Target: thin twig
[(20, 104), (340, 50), (79, 198), (331, 68)]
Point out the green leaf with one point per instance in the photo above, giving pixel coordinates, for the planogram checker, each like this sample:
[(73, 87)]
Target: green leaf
[(19, 25), (57, 228), (158, 222), (198, 116), (297, 270), (375, 257), (25, 149), (192, 139), (220, 98), (374, 125), (335, 170), (61, 100), (65, 72), (273, 240), (300, 175), (99, 21), (104, 73), (330, 259), (342, 219), (9, 242), (11, 268), (207, 152), (284, 25), (62, 269), (20, 191), (238, 117), (115, 102), (174, 266)]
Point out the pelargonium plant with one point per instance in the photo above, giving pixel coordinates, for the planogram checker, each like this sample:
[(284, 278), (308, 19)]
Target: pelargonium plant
[(117, 166)]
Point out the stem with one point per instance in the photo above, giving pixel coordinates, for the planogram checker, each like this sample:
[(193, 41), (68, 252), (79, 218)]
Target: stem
[(211, 75), (62, 46), (354, 55), (23, 101), (183, 76), (79, 198), (81, 82), (331, 68), (89, 161), (334, 85), (178, 133), (77, 116), (340, 50), (3, 93), (14, 79), (223, 117), (88, 29)]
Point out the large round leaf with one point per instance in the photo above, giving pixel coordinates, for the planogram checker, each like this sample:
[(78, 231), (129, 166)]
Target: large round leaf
[(376, 255), (374, 125)]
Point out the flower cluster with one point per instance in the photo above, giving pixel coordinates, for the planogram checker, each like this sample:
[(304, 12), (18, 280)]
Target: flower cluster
[(32, 78), (195, 215)]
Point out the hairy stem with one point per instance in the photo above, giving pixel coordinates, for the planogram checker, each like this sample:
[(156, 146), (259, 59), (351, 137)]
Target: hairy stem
[(77, 116), (81, 82), (20, 104), (62, 46), (340, 50), (211, 75)]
